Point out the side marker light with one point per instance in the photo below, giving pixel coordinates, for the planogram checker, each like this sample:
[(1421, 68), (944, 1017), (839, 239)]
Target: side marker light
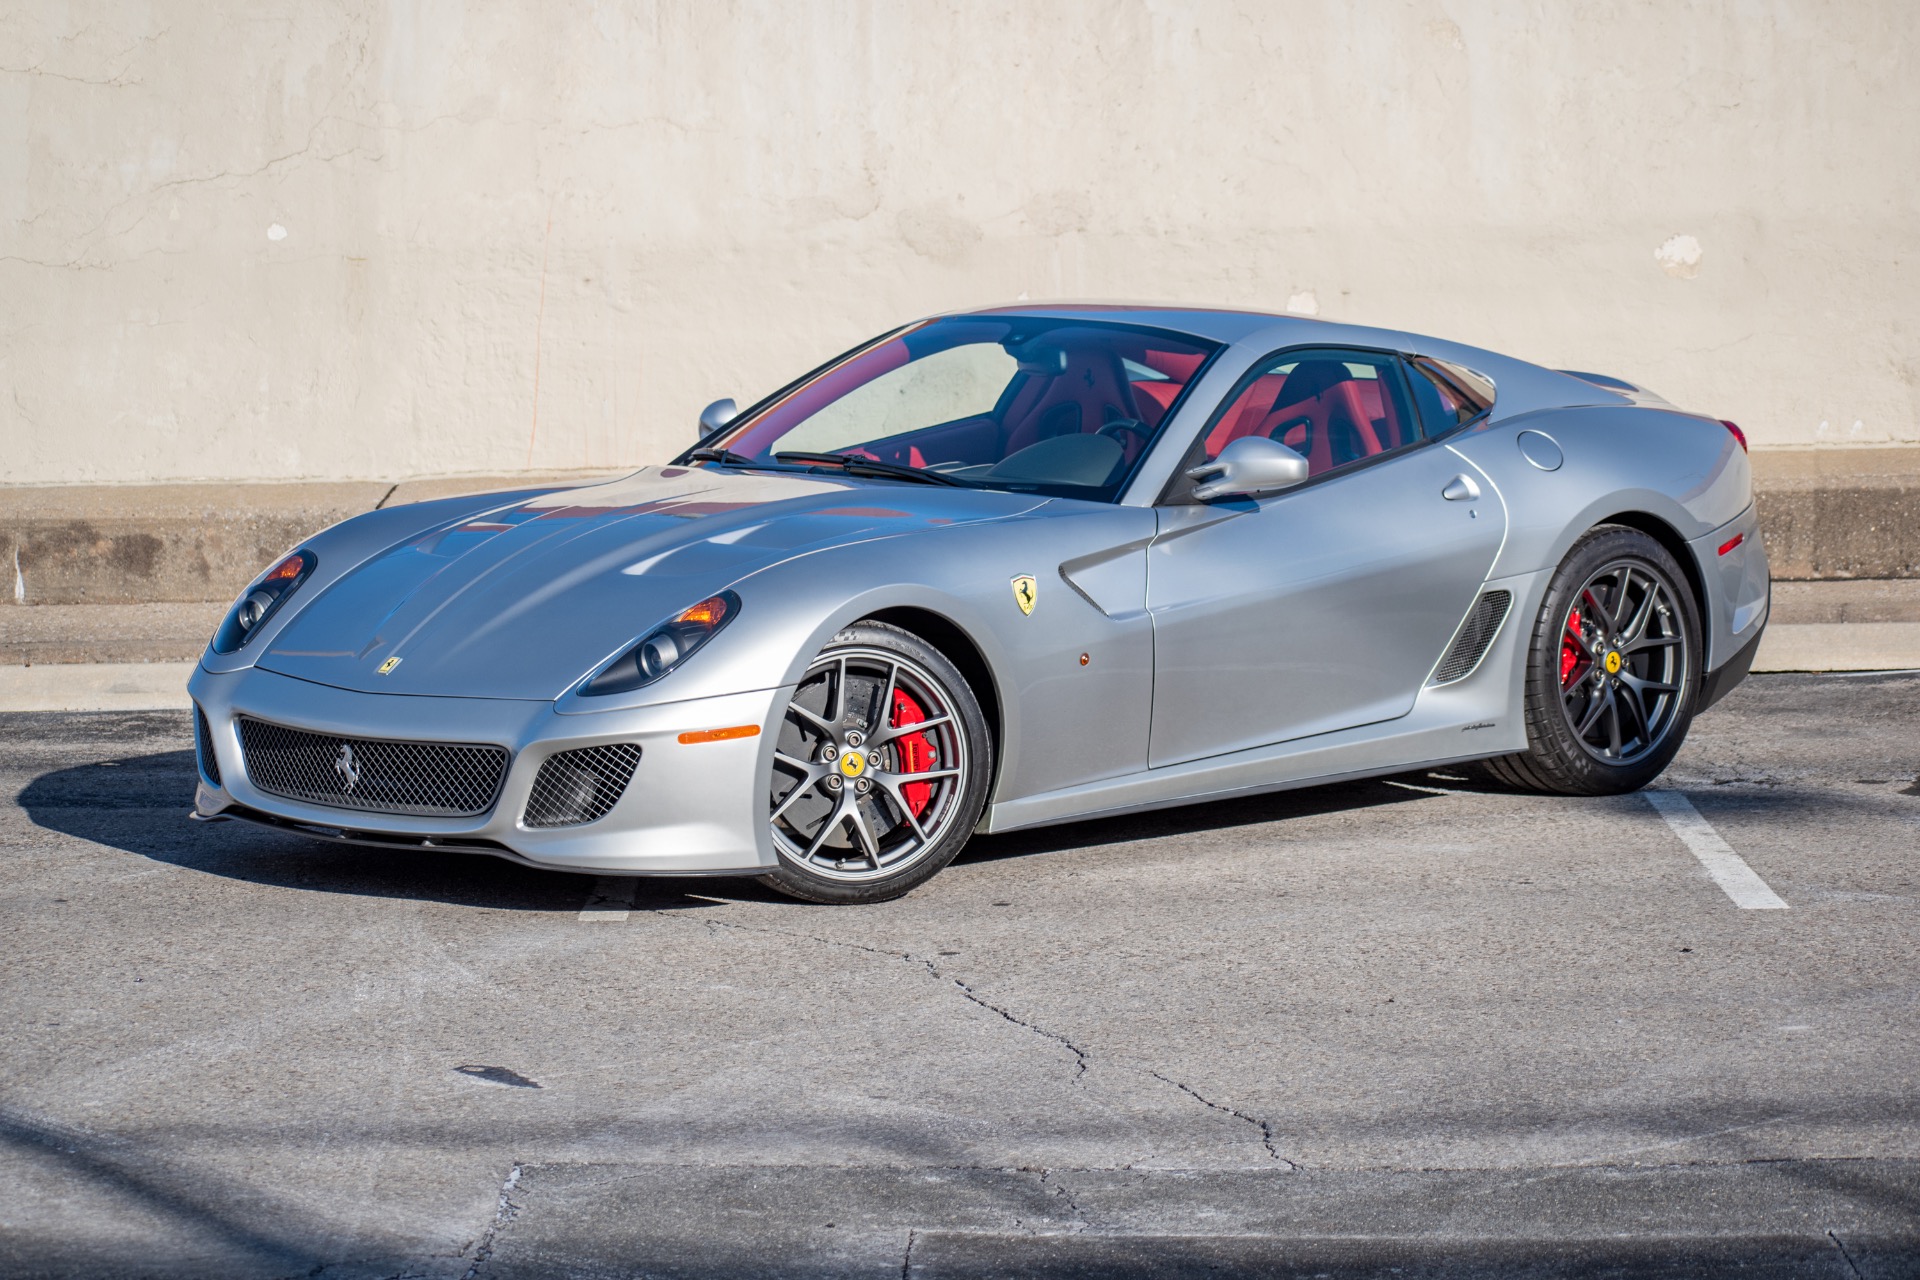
[(720, 735), (1732, 542)]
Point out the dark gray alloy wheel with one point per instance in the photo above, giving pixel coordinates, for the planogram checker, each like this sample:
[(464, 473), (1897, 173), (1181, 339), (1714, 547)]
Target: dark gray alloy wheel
[(1613, 669), (879, 772)]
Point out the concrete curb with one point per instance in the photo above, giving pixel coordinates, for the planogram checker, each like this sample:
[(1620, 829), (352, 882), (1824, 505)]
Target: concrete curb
[(1840, 646), (149, 544), (1840, 513), (96, 686)]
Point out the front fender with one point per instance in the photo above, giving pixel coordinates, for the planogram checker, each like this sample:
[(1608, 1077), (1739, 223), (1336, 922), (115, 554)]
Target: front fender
[(1062, 720)]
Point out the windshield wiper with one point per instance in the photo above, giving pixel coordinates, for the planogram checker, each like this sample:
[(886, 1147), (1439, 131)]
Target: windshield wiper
[(727, 456), (871, 467)]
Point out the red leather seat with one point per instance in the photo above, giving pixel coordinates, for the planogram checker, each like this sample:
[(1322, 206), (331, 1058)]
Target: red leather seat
[(1154, 396), (1089, 393), (1320, 409)]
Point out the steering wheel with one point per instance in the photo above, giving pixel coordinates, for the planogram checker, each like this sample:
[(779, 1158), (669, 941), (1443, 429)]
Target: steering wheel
[(1120, 428)]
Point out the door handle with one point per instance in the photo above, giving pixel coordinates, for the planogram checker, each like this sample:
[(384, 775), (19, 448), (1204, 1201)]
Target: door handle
[(1461, 489)]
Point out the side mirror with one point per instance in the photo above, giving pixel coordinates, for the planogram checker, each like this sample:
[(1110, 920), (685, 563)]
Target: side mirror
[(1247, 467), (717, 415)]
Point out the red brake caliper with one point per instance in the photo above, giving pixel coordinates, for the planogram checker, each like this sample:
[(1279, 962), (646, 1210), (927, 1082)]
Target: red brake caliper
[(1570, 656), (916, 753)]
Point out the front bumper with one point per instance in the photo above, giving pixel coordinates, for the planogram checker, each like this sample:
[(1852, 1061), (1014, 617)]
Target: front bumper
[(689, 809)]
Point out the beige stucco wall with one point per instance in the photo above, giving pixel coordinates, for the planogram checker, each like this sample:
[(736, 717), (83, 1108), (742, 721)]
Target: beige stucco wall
[(278, 240)]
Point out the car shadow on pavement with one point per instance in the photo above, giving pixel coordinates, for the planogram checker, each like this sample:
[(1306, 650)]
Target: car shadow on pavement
[(1215, 815), (139, 804)]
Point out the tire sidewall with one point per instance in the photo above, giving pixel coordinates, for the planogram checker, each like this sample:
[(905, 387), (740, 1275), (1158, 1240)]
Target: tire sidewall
[(1551, 738), (791, 878)]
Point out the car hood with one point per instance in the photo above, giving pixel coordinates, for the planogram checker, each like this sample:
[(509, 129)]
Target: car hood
[(524, 600)]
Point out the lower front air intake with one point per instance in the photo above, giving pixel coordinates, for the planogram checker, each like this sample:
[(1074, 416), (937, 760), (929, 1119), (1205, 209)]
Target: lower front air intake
[(582, 786), (203, 746)]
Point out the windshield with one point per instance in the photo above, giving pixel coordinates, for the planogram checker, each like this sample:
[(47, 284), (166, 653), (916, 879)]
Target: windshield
[(1044, 405)]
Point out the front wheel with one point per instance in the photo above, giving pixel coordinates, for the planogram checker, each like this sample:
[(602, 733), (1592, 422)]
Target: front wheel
[(1613, 669), (880, 770)]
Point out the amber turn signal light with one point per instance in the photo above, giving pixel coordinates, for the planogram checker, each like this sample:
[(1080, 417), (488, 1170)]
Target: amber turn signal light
[(710, 612), (720, 735)]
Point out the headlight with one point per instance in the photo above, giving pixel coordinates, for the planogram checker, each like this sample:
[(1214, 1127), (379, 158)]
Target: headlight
[(257, 603), (664, 648)]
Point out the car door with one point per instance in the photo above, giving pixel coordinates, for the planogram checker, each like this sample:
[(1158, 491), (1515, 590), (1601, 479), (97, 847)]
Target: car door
[(1324, 606)]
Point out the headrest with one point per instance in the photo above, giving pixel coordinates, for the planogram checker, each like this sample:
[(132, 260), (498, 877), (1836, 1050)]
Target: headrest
[(1171, 363), (1312, 378)]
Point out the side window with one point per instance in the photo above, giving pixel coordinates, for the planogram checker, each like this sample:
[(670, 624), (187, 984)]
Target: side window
[(1334, 407), (1447, 396)]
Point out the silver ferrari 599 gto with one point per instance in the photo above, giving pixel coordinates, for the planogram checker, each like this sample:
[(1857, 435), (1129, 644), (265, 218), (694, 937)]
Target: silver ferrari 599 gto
[(1000, 569)]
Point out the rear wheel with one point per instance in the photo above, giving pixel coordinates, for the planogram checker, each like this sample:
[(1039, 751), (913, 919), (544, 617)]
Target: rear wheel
[(880, 770), (1612, 669)]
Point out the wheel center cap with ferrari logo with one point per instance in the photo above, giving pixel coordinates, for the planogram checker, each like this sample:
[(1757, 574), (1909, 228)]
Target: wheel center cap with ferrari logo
[(1613, 662), (853, 764)]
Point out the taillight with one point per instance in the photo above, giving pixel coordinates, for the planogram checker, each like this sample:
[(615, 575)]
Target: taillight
[(1738, 434)]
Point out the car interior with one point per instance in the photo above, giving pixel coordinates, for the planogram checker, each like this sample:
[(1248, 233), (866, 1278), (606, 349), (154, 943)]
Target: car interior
[(1079, 407), (1332, 412)]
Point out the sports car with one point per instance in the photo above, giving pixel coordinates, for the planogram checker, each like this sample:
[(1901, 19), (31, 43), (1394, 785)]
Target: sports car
[(998, 569)]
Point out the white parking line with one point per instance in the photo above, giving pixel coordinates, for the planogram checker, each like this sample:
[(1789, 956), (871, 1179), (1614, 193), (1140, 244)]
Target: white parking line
[(611, 899), (1728, 869)]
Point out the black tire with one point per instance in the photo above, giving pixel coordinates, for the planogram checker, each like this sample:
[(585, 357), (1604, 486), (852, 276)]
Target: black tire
[(1575, 668), (845, 826)]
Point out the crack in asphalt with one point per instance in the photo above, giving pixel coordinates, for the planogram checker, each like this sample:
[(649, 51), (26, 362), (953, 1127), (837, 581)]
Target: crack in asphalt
[(1265, 1127), (1079, 1215), (1844, 1255), (1081, 1058), (503, 1213)]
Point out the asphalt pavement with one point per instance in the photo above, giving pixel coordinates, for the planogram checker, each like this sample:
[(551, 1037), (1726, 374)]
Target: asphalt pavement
[(1414, 1026)]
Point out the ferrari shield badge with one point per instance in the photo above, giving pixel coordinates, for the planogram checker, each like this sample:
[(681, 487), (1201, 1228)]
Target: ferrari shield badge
[(1025, 592), (386, 668)]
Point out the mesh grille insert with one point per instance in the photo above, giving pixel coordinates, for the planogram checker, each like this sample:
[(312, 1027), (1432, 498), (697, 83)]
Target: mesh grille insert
[(203, 747), (576, 787), (1476, 633), (421, 779)]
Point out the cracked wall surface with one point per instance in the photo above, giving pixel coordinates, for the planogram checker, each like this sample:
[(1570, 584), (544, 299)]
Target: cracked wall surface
[(283, 241)]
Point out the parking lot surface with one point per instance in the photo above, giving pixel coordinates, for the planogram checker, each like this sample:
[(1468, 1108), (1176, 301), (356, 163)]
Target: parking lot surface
[(1419, 1025)]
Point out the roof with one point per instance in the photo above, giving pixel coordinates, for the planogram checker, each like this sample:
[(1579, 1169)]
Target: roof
[(1220, 324)]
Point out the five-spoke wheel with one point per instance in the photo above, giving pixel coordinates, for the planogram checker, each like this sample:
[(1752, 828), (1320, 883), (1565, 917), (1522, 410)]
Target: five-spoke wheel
[(879, 769)]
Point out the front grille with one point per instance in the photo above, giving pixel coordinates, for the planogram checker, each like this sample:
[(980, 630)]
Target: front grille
[(1476, 633), (420, 779), (203, 747), (576, 787)]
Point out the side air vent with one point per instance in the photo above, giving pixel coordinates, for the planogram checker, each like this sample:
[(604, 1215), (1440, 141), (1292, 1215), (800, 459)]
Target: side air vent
[(577, 787), (1476, 633), (203, 747)]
